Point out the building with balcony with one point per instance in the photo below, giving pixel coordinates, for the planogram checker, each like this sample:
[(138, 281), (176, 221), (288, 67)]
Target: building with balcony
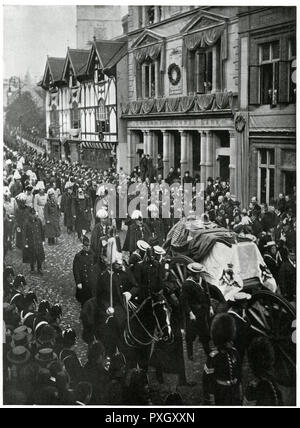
[(267, 96), (183, 85)]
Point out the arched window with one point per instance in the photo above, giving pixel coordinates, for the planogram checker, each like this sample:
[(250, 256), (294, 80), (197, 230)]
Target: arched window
[(102, 122), (75, 116)]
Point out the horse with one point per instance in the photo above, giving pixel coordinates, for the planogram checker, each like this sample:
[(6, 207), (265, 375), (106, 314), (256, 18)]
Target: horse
[(147, 325)]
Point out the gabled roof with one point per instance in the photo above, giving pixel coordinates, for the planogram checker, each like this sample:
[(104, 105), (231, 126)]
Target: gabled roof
[(147, 37), (108, 53), (54, 68), (78, 59), (203, 20)]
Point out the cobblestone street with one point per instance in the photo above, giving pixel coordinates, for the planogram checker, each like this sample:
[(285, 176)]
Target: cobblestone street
[(57, 286)]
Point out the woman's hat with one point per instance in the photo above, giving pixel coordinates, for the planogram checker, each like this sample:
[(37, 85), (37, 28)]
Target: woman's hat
[(195, 267), (142, 245), (46, 356), (18, 355)]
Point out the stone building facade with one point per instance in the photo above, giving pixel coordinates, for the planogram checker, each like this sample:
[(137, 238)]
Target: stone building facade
[(183, 87), (268, 98)]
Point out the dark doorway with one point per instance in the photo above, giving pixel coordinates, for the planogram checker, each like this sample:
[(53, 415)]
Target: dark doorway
[(289, 182), (224, 167), (196, 152), (177, 150), (160, 149)]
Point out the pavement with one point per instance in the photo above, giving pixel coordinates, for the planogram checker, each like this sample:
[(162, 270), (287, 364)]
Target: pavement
[(57, 285)]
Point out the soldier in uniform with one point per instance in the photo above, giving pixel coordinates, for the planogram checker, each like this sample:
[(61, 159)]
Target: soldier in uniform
[(149, 275), (138, 230), (197, 306), (99, 234), (111, 307), (138, 255), (82, 270), (222, 371)]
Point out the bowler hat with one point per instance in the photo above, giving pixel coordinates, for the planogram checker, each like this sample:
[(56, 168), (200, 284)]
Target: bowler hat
[(19, 339), (45, 356), (18, 355)]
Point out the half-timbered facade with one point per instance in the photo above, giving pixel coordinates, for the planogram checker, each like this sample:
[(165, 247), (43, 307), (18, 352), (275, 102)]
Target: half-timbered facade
[(82, 118)]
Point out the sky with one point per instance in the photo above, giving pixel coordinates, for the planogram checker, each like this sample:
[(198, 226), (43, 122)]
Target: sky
[(33, 32)]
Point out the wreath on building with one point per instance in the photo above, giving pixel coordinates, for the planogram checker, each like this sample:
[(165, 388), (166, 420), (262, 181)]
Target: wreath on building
[(174, 74)]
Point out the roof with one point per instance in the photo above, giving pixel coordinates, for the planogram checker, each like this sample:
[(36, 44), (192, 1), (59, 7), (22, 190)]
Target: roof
[(117, 57), (79, 59), (107, 51), (56, 66)]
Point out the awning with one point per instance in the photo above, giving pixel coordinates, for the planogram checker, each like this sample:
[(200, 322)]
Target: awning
[(95, 145)]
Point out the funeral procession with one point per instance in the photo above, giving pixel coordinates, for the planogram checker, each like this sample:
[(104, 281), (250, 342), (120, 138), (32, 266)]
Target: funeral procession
[(149, 205)]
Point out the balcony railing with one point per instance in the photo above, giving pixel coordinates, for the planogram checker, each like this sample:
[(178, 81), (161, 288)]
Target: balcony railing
[(200, 103)]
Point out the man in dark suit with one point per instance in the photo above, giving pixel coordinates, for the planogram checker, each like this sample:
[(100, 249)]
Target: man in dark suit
[(83, 270), (137, 231), (197, 307)]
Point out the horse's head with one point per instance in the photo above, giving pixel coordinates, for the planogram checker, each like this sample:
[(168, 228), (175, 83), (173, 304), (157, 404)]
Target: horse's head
[(162, 315)]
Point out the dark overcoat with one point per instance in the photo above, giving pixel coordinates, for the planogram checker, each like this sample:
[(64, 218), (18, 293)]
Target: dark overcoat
[(67, 207), (83, 266), (33, 237), (52, 216)]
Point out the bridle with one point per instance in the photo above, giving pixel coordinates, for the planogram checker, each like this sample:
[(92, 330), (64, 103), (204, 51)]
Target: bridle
[(158, 334)]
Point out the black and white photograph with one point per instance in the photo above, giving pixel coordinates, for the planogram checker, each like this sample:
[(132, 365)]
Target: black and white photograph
[(149, 207)]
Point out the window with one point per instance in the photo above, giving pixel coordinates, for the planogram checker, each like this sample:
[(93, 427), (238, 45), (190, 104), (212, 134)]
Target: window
[(54, 123), (72, 79), (269, 72), (149, 79), (99, 76), (266, 175), (75, 116), (201, 75), (292, 70), (150, 15), (102, 122)]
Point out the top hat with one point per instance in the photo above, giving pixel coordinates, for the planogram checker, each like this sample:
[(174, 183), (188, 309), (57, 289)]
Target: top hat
[(195, 267)]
